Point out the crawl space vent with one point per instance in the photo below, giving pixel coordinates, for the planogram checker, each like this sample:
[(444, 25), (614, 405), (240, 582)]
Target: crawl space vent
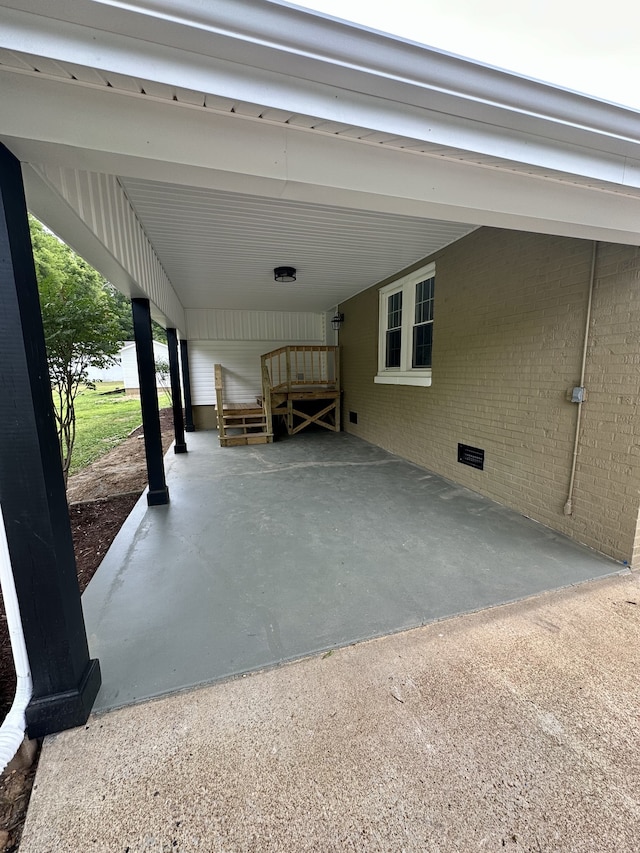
[(472, 456)]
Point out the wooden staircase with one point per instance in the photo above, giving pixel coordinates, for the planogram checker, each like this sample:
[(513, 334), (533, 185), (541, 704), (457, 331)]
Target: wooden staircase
[(240, 423), (300, 386)]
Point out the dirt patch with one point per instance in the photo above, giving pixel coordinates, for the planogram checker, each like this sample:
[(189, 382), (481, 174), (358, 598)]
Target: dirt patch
[(100, 498), (121, 470)]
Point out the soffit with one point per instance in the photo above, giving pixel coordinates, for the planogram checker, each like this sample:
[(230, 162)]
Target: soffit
[(211, 102), (219, 249)]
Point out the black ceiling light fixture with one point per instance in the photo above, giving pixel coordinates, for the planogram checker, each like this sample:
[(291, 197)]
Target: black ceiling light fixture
[(284, 273)]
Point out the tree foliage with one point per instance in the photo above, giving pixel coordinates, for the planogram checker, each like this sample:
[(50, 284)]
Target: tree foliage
[(122, 312), (81, 327), (125, 317)]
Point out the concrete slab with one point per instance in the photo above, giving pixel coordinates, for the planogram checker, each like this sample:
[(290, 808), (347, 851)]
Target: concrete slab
[(515, 728), (270, 553)]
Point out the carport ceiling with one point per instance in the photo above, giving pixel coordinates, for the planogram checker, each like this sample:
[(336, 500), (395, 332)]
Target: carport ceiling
[(219, 248)]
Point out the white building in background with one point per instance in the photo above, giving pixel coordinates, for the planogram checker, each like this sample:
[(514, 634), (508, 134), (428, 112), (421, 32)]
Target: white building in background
[(125, 370), (112, 373)]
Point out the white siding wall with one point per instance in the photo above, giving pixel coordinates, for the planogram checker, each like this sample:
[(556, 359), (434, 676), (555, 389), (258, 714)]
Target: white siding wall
[(130, 364), (241, 362), (113, 373), (236, 340), (224, 325), (130, 367)]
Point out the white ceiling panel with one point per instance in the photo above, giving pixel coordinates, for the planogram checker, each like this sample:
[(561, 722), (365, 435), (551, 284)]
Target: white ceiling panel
[(219, 249)]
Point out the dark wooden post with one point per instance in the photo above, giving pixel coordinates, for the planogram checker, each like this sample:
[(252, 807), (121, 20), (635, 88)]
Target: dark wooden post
[(186, 384), (32, 491), (158, 492), (176, 392)]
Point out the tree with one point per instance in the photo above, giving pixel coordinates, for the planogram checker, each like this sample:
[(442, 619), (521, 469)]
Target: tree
[(122, 311), (80, 322), (125, 317)]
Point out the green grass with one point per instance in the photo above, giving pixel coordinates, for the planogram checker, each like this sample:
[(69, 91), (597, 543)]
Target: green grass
[(102, 422)]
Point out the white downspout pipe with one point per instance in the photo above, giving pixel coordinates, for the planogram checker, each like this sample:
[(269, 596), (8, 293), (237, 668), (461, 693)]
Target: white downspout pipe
[(568, 507), (14, 726)]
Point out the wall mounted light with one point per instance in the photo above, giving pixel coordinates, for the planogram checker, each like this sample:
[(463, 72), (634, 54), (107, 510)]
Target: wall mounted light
[(337, 320), (284, 273)]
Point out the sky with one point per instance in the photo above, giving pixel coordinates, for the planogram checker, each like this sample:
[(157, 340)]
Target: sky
[(585, 46)]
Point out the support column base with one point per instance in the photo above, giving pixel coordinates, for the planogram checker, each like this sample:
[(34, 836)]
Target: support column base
[(49, 714), (158, 497), (180, 448), (189, 429)]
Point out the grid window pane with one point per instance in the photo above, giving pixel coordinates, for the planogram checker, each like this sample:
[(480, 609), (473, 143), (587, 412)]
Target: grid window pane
[(424, 300), (393, 348), (394, 329), (422, 345), (408, 335), (394, 311), (423, 328)]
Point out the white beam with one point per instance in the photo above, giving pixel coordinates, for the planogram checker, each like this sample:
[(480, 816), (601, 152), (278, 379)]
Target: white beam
[(141, 137), (290, 59)]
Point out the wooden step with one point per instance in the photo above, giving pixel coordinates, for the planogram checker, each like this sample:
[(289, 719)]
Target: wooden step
[(245, 439), (251, 419), (247, 422), (250, 411), (243, 419)]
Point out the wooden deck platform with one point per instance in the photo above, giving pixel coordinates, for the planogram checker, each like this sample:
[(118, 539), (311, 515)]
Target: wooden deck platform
[(300, 387), (302, 384)]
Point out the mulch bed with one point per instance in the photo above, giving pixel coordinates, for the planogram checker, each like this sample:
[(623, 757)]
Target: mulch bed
[(94, 525)]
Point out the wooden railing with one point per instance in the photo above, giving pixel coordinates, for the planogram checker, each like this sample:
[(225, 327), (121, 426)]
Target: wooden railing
[(296, 367), (217, 370), (241, 423), (266, 395), (301, 385)]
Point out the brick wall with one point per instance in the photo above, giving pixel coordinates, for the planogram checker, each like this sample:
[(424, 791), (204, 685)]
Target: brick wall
[(510, 310), (608, 473)]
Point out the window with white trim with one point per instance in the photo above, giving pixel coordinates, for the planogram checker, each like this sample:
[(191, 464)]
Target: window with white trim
[(405, 341)]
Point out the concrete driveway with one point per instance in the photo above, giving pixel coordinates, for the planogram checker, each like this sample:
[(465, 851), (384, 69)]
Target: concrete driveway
[(515, 728)]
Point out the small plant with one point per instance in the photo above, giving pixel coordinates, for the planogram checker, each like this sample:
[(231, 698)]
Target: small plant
[(162, 373), (80, 328)]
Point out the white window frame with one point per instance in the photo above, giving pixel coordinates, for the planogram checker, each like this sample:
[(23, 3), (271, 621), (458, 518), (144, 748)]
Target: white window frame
[(405, 374)]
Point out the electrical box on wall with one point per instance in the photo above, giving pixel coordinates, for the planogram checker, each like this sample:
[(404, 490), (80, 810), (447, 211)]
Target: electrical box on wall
[(578, 395)]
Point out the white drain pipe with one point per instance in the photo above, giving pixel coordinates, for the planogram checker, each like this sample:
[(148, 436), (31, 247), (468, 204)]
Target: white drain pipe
[(568, 507), (14, 726)]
